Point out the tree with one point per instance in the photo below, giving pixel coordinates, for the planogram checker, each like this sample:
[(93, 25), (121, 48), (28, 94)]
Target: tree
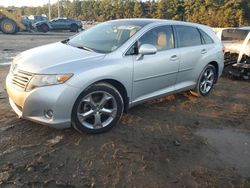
[(137, 13), (162, 9), (128, 7), (216, 13)]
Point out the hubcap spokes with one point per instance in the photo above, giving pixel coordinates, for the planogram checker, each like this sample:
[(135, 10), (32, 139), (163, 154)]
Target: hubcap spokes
[(8, 26), (97, 110), (207, 81)]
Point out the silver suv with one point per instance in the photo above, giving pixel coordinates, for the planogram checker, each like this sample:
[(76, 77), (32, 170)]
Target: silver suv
[(88, 81)]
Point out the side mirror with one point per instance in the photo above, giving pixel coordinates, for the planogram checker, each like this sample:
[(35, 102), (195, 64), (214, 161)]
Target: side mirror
[(147, 49)]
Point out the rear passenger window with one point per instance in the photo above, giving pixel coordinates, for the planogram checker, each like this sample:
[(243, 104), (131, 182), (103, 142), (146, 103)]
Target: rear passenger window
[(188, 36), (206, 39)]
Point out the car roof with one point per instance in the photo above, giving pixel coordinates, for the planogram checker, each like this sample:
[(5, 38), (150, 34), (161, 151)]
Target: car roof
[(60, 18), (147, 21)]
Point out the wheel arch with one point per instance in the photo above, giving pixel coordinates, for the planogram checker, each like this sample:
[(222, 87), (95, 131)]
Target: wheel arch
[(121, 88), (216, 65), (196, 91)]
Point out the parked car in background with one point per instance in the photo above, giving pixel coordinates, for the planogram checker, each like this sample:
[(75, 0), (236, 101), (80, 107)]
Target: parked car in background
[(29, 21), (59, 24), (88, 81), (36, 18)]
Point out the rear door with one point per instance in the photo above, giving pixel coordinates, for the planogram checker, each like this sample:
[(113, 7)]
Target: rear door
[(191, 51)]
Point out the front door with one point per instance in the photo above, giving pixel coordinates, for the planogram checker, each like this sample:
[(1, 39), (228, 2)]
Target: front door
[(156, 74)]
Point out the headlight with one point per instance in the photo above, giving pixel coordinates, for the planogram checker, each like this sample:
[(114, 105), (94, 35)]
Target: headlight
[(46, 80)]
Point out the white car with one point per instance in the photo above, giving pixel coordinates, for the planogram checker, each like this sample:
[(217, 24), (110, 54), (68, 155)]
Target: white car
[(88, 81), (236, 43)]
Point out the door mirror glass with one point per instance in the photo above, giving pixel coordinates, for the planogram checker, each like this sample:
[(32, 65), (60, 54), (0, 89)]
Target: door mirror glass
[(147, 49)]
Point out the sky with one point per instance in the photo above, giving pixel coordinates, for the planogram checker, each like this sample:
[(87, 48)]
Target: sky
[(19, 3)]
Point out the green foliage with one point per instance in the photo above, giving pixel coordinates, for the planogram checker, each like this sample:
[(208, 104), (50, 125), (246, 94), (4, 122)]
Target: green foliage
[(216, 13), (138, 12)]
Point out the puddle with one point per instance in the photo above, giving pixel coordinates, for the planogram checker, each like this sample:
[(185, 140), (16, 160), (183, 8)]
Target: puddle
[(232, 146)]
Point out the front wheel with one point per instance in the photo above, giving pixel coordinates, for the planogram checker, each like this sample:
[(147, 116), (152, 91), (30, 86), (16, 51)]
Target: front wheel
[(206, 81), (97, 109)]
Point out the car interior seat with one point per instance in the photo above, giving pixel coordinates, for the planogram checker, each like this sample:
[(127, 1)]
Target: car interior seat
[(161, 41)]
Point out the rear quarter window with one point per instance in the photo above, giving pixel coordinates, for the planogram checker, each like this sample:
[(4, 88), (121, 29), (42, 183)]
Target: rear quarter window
[(188, 36), (206, 39)]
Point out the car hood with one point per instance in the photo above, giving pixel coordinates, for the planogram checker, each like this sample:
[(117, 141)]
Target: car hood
[(40, 59)]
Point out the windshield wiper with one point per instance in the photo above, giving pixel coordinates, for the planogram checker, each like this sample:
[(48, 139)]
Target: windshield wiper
[(80, 47), (65, 41), (85, 48)]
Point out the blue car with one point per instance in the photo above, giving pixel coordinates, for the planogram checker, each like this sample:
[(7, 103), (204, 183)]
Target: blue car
[(59, 24)]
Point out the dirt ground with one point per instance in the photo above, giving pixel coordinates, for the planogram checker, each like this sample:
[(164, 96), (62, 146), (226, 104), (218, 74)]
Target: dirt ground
[(175, 141)]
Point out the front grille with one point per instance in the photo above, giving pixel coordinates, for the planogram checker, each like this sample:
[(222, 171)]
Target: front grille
[(21, 78)]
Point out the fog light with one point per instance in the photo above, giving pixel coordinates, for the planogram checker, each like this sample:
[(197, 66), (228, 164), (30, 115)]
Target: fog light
[(48, 114)]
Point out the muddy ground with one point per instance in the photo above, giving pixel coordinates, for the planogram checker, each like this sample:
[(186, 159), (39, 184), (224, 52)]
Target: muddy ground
[(176, 141)]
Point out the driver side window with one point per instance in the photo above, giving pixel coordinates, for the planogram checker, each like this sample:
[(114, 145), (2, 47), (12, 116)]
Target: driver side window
[(161, 37)]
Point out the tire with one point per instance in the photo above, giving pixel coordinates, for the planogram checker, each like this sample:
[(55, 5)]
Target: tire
[(73, 28), (97, 109), (205, 82), (8, 26), (44, 28)]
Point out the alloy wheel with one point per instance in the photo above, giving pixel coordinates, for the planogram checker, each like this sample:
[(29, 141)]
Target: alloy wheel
[(97, 110), (207, 81)]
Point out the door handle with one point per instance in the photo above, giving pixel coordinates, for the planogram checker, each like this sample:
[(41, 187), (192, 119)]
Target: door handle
[(174, 58), (203, 51)]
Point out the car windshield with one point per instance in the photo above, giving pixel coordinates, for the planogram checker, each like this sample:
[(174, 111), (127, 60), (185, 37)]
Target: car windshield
[(105, 37)]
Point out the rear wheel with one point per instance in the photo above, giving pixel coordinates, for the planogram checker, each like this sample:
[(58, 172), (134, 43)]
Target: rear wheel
[(206, 81), (97, 109), (8, 26)]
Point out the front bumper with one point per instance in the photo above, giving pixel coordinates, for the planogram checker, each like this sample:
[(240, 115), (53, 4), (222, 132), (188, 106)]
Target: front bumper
[(33, 105)]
